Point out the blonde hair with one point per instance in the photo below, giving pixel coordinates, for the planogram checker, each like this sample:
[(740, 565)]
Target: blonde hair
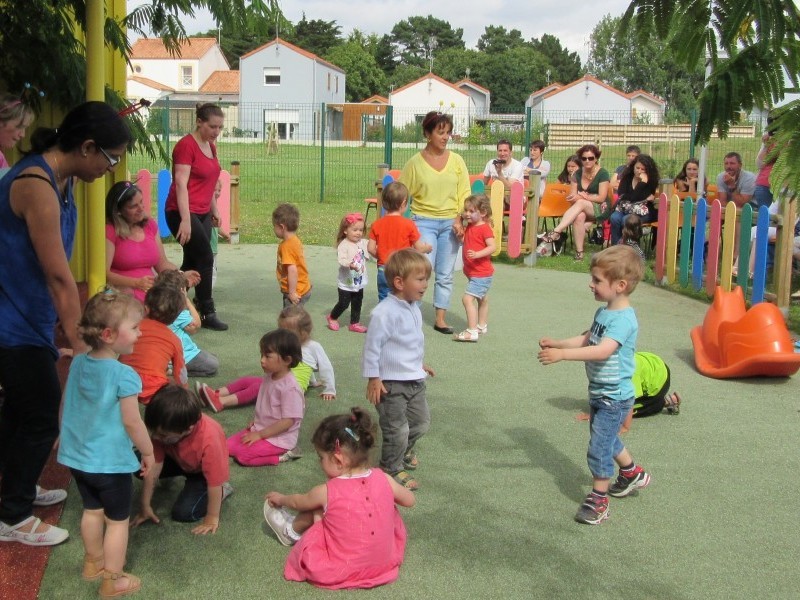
[(296, 319), (106, 310), (404, 263), (620, 263), (482, 204), (14, 108)]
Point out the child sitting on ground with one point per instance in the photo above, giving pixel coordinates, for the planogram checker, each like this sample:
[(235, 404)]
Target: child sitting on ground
[(479, 245), (607, 349), (348, 532), (158, 346), (393, 232), (351, 250), (199, 363), (315, 361), (280, 406), (392, 362), (100, 423), (188, 444), (292, 272), (632, 233)]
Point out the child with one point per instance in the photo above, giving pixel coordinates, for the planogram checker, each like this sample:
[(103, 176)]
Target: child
[(158, 346), (188, 444), (279, 407), (393, 232), (348, 532), (632, 233), (607, 349), (99, 423), (291, 271), (392, 361), (315, 361), (352, 257), (199, 363), (478, 248)]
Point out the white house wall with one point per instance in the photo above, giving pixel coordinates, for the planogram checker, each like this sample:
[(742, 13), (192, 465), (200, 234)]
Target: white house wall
[(428, 95), (651, 112), (168, 72), (587, 101)]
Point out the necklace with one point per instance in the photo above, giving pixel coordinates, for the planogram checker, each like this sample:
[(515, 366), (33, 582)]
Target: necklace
[(58, 170)]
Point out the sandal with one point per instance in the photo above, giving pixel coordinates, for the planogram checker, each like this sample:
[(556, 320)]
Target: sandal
[(109, 590), (410, 460), (551, 236), (468, 335), (405, 479), (672, 404), (579, 255), (93, 567)]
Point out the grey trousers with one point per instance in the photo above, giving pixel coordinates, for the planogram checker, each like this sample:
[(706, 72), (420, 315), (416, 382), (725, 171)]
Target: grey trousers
[(404, 417), (204, 364)]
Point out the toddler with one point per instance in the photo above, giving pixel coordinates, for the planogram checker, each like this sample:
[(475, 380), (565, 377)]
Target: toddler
[(279, 407), (608, 351), (315, 361), (632, 233), (352, 255), (348, 532), (393, 232), (99, 423), (478, 248), (392, 362), (158, 346), (188, 444), (291, 271)]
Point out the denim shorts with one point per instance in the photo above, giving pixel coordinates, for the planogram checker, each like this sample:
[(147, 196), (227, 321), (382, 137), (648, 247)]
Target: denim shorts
[(606, 418), (478, 286)]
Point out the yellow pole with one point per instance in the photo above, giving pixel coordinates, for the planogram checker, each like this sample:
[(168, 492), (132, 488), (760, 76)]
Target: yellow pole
[(95, 90)]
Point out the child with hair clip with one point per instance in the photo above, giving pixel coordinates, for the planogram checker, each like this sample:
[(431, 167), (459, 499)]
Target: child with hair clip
[(280, 405), (479, 245), (100, 423), (352, 254), (348, 532), (632, 233), (315, 361)]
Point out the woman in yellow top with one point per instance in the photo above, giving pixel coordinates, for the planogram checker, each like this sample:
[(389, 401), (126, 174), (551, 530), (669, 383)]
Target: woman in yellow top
[(438, 183)]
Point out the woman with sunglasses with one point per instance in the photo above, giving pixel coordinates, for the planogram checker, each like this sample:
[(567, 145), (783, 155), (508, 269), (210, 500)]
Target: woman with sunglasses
[(589, 191), (134, 253), (38, 219)]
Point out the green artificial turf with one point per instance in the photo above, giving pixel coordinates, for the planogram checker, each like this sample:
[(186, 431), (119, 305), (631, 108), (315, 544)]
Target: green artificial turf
[(503, 467)]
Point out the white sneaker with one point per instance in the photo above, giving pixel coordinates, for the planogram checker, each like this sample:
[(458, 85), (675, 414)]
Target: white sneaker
[(290, 455), (48, 497), (49, 537), (227, 490), (278, 520)]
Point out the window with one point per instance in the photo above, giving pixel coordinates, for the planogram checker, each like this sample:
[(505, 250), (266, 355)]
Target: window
[(337, 84), (272, 75), (329, 82), (187, 76)]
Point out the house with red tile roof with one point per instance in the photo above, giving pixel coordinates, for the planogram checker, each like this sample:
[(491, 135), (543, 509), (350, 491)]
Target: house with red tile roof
[(430, 92)]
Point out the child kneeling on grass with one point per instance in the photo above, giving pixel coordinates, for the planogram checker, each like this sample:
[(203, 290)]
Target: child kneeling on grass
[(189, 444), (348, 532)]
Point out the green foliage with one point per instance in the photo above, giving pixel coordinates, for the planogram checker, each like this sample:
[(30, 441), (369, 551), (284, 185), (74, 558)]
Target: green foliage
[(408, 133), (565, 65), (364, 76), (316, 36), (410, 39), (496, 39)]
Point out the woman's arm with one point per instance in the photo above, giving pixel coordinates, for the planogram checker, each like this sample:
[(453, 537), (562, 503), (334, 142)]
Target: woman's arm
[(182, 173)]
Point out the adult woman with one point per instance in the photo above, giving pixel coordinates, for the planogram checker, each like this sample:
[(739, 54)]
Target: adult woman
[(686, 180), (571, 167), (15, 118), (637, 188), (589, 190), (438, 183), (134, 253), (37, 228), (191, 207)]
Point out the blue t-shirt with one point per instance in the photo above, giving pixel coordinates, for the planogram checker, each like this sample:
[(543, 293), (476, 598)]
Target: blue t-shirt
[(611, 378), (190, 349), (93, 438)]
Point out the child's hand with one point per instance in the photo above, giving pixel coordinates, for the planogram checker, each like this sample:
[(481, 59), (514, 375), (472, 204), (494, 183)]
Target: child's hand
[(547, 342), (470, 253), (145, 283), (65, 352), (251, 437), (275, 499), (145, 514), (428, 370), (550, 356), (375, 390), (209, 525), (148, 460), (426, 248), (328, 397), (293, 297), (223, 233)]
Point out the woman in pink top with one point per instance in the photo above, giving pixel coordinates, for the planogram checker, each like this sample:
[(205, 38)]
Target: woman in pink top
[(348, 532)]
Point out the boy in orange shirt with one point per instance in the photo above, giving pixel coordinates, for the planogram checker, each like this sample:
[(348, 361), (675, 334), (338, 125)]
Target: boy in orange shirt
[(393, 232), (291, 271)]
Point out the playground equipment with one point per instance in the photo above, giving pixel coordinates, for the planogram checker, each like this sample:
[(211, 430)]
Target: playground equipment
[(734, 342)]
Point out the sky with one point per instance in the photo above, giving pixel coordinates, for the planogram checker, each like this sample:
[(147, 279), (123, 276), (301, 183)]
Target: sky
[(571, 22)]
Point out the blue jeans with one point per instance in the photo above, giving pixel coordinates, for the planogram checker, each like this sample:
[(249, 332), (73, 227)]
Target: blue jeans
[(606, 418), (439, 234), (617, 220), (383, 285), (762, 197)]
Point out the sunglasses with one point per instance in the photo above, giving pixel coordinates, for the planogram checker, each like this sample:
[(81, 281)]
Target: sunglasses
[(587, 158), (113, 161)]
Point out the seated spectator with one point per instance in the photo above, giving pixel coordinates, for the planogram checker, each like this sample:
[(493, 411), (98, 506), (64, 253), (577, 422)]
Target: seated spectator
[(762, 195), (571, 167), (636, 191), (685, 182), (734, 183), (631, 152), (536, 162), (503, 168)]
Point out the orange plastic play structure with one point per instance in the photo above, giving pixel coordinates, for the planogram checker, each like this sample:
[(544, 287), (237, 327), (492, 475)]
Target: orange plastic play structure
[(734, 342)]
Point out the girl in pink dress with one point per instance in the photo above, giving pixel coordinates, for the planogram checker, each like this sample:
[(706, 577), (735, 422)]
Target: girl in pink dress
[(348, 532)]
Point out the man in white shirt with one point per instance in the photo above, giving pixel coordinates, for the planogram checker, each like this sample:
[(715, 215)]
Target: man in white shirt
[(503, 168)]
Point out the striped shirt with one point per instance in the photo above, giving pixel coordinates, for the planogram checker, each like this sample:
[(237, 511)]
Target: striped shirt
[(611, 378)]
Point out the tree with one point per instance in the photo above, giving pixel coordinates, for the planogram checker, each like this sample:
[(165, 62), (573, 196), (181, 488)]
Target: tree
[(410, 39), (496, 39), (510, 86), (364, 76), (565, 65), (316, 36)]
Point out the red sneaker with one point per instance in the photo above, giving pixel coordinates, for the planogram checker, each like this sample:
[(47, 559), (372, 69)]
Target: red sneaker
[(333, 324), (210, 397), (357, 328)]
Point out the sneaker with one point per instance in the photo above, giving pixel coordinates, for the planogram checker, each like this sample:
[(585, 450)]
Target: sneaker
[(227, 490), (410, 460), (625, 485), (333, 324), (593, 511), (48, 497), (279, 520), (290, 455), (357, 328), (210, 397), (468, 335), (49, 537)]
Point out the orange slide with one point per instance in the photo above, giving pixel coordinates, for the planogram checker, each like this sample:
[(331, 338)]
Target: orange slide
[(734, 342)]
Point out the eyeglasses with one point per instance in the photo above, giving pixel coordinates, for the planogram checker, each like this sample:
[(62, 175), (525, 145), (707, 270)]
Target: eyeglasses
[(113, 161), (588, 158)]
